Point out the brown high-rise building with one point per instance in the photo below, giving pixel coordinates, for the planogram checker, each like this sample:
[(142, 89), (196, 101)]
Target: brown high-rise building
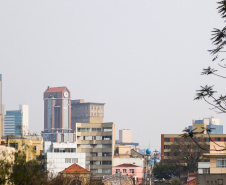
[(86, 112), (57, 110)]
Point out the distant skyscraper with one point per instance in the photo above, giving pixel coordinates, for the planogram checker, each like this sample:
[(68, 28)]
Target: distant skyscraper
[(16, 121), (57, 115), (57, 109), (86, 112)]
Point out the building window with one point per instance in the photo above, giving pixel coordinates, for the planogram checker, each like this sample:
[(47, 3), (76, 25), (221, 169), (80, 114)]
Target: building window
[(106, 154), (93, 154), (217, 139), (107, 129), (91, 114), (96, 129), (166, 147), (98, 114), (106, 171), (107, 138), (176, 139), (74, 160), (221, 162), (95, 114), (67, 160), (94, 108), (106, 163), (91, 107), (101, 115), (35, 147), (94, 170), (131, 170), (166, 153), (14, 145), (124, 170), (117, 171), (101, 108), (166, 140)]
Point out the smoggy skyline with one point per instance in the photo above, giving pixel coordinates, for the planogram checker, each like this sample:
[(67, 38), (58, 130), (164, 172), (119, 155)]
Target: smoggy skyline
[(142, 58)]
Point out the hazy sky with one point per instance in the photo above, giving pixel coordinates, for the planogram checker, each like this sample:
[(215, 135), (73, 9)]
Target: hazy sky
[(142, 58)]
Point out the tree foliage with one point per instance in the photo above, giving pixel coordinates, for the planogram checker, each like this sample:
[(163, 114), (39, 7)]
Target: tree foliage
[(186, 154), (20, 171), (164, 170), (207, 92), (176, 182)]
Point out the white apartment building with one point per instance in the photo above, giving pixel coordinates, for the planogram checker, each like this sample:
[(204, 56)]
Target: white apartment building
[(61, 155)]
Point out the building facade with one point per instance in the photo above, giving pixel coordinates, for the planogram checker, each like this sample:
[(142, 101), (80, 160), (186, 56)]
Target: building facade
[(16, 121), (57, 112), (125, 136), (86, 112), (61, 155), (168, 140), (129, 170), (97, 140), (207, 123), (32, 145), (57, 115)]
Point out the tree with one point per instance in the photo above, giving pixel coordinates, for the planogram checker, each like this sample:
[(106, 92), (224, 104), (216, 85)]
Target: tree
[(176, 182), (207, 92), (185, 154), (164, 170), (16, 170)]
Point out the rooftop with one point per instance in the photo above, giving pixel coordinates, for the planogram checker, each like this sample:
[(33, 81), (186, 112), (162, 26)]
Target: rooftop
[(55, 89), (127, 165), (75, 168)]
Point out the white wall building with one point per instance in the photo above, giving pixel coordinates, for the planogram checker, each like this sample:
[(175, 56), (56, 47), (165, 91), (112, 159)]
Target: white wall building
[(61, 155)]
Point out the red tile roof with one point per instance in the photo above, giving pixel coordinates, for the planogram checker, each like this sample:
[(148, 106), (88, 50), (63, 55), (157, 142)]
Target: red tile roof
[(127, 165), (55, 89), (74, 168)]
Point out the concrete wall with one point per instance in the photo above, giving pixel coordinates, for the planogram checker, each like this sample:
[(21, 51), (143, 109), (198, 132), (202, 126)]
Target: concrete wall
[(209, 179)]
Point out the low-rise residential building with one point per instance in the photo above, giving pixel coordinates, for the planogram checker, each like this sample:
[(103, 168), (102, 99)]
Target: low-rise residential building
[(76, 174), (97, 140), (31, 146), (129, 170), (214, 171), (61, 155)]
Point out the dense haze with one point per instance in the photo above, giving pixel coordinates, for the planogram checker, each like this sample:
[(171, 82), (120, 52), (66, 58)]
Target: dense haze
[(142, 58)]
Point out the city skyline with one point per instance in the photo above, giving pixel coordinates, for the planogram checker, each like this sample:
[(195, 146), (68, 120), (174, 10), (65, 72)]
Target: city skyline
[(143, 59)]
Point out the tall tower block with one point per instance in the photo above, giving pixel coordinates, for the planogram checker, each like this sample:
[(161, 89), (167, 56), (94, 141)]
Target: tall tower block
[(57, 110)]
